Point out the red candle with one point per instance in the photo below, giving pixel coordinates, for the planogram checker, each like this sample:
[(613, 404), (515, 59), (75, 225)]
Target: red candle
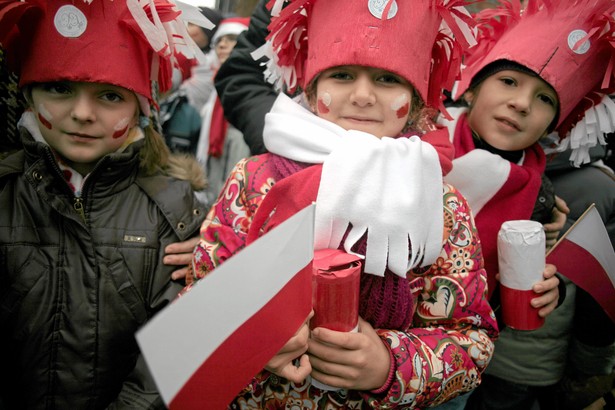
[(335, 283)]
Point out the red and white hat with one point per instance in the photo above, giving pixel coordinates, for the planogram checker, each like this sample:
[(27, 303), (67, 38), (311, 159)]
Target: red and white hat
[(571, 45), (232, 25), (420, 40), (129, 43)]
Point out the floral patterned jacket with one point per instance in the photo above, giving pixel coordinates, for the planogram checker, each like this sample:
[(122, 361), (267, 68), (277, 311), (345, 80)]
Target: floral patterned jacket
[(440, 356)]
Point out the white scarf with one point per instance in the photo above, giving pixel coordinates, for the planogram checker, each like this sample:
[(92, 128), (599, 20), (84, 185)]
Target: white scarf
[(390, 188)]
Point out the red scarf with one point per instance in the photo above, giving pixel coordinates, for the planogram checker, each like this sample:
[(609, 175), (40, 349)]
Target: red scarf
[(515, 199), (217, 130)]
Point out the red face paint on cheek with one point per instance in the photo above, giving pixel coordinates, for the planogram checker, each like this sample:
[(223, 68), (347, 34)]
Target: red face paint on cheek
[(403, 111), (120, 133), (44, 121), (322, 108)]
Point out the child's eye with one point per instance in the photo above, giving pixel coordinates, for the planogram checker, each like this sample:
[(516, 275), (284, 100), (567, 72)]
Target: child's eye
[(547, 99), (112, 97), (341, 75), (508, 81), (389, 79), (56, 88)]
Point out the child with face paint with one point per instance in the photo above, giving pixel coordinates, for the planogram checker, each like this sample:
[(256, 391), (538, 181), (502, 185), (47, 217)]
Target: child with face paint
[(88, 203), (521, 85), (357, 148)]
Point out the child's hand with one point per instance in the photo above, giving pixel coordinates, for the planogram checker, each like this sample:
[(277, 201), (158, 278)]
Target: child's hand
[(356, 361), (549, 291), (180, 254), (557, 223), (283, 363)]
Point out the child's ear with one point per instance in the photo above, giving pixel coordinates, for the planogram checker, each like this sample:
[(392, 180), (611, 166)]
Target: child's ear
[(468, 97)]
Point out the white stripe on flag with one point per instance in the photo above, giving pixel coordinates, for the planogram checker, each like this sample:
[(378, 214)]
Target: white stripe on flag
[(591, 235), (181, 337)]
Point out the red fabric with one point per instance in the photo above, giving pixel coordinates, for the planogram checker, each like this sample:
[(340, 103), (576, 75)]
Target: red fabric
[(287, 197), (440, 140), (185, 65), (217, 130), (515, 200), (112, 48)]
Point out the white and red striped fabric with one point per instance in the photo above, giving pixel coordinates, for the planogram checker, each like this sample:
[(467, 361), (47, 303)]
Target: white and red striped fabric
[(586, 257), (206, 346)]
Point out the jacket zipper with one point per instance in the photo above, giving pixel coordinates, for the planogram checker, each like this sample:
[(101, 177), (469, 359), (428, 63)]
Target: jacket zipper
[(78, 206)]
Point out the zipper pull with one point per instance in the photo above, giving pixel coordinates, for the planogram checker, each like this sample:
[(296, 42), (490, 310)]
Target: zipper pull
[(78, 206)]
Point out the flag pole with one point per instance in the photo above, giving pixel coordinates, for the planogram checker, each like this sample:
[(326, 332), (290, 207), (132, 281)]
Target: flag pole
[(561, 238)]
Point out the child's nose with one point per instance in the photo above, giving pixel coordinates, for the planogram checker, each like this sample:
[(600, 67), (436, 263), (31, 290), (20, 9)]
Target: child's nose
[(363, 92), (83, 109), (522, 102)]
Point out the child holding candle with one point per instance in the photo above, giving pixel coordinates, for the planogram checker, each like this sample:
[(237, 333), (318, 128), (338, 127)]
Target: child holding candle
[(425, 331), (546, 69)]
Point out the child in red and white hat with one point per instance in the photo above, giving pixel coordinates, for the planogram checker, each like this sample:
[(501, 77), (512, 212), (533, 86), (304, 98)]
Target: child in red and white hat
[(546, 69), (357, 147), (87, 203)]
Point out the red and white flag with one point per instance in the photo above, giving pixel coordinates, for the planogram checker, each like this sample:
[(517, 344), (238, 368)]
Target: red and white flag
[(586, 257), (206, 346)]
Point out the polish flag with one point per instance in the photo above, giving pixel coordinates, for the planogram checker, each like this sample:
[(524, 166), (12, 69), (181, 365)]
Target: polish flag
[(207, 345), (585, 256)]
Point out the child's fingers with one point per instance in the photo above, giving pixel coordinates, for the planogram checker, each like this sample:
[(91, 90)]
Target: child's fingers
[(297, 373)]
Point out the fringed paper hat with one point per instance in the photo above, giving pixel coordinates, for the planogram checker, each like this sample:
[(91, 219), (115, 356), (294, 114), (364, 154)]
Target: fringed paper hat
[(420, 40), (128, 43), (571, 45)]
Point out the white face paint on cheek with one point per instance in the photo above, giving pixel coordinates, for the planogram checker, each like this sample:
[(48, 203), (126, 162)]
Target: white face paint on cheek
[(121, 127), (326, 99), (401, 105), (399, 102), (44, 116), (121, 124)]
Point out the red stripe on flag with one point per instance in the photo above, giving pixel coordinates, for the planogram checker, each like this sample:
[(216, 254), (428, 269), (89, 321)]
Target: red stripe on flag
[(580, 266), (246, 352)]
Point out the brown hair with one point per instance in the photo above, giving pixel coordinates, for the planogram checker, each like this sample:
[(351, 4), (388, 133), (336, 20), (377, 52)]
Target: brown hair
[(154, 156)]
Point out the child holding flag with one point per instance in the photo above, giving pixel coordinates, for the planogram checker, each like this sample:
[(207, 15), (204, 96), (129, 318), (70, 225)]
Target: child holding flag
[(521, 84), (358, 150)]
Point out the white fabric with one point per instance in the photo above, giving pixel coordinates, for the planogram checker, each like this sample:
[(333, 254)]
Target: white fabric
[(390, 188), (202, 148), (469, 177), (200, 85), (590, 131), (230, 27), (468, 174)]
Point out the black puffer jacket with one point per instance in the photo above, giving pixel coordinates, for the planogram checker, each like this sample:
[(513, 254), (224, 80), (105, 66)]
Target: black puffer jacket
[(74, 287), (245, 95)]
